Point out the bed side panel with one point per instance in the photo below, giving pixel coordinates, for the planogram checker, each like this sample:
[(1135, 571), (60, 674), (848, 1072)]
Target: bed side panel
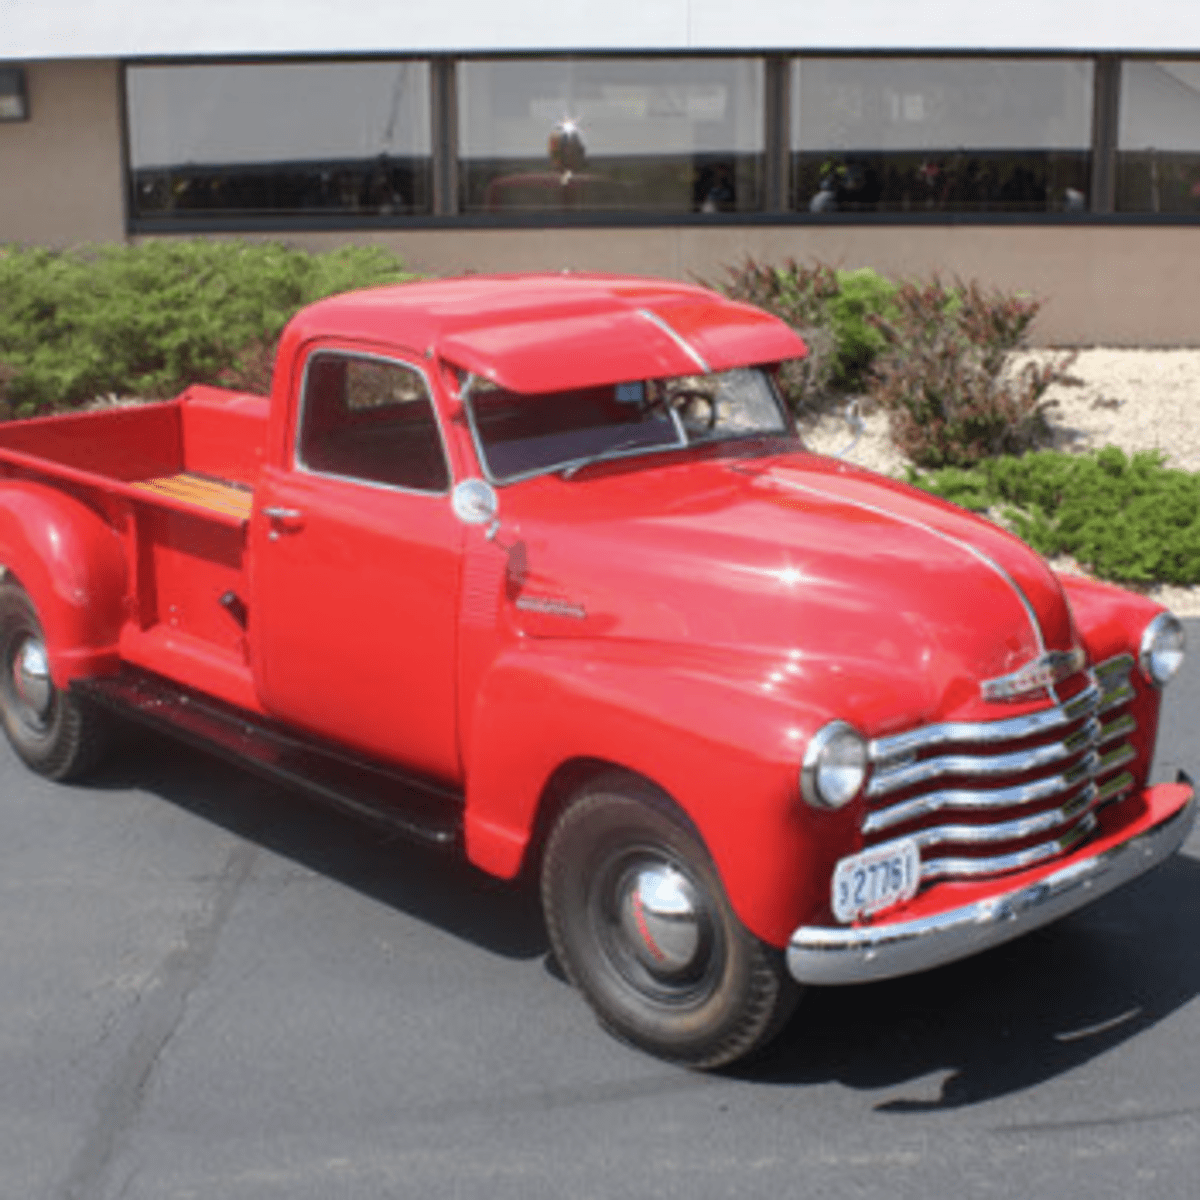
[(138, 442), (224, 433)]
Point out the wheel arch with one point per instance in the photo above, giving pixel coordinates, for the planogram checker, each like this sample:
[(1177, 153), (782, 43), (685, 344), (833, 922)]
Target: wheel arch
[(641, 924), (71, 564), (545, 724), (573, 776)]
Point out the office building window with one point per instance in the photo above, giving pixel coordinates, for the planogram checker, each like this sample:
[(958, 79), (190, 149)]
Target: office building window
[(1158, 138), (940, 134), (269, 139), (668, 135)]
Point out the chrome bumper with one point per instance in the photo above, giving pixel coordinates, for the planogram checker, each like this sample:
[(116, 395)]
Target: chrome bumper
[(831, 955)]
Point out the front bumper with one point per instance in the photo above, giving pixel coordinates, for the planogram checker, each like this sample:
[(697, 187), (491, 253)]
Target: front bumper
[(821, 954)]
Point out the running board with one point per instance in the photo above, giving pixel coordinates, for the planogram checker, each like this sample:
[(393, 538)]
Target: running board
[(410, 805)]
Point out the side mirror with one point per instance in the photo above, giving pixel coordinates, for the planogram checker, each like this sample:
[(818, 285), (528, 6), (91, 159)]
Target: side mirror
[(474, 502)]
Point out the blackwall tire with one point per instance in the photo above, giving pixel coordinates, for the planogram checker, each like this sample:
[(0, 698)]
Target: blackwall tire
[(53, 732), (640, 923)]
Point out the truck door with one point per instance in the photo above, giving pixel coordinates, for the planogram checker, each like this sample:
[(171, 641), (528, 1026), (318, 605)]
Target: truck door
[(355, 558)]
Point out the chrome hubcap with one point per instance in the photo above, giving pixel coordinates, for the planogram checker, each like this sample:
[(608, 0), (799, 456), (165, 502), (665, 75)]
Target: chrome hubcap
[(661, 918), (31, 677)]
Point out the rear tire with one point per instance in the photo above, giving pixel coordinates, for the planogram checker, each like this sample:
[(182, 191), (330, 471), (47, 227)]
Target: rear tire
[(54, 733), (640, 923)]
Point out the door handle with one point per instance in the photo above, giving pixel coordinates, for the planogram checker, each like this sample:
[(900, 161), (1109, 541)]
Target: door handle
[(283, 520)]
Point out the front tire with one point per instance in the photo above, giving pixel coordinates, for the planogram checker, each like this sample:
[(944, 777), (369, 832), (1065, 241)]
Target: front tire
[(640, 923), (53, 732)]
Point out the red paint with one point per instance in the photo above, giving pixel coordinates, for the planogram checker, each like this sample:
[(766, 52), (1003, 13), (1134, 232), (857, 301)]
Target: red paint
[(692, 615)]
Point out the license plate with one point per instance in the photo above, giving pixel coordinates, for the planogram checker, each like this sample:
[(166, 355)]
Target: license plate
[(876, 879)]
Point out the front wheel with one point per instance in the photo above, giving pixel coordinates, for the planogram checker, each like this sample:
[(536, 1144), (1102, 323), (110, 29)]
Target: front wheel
[(639, 920), (54, 733)]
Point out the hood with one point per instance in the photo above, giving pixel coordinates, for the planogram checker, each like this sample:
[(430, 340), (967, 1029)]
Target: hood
[(811, 573)]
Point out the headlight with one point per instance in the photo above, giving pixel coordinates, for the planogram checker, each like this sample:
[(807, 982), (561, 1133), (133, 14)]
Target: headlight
[(1161, 652), (835, 765)]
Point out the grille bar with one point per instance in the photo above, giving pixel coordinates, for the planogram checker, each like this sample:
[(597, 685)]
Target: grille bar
[(1025, 788), (1010, 831), (963, 799), (899, 745), (1028, 759), (1019, 860), (1123, 725)]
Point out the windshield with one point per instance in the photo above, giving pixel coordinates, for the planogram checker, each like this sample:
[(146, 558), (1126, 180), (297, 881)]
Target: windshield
[(520, 435)]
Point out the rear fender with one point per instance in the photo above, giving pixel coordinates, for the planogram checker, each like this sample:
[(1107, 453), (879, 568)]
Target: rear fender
[(72, 564), (727, 756)]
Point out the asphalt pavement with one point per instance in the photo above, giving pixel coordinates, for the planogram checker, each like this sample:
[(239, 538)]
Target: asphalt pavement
[(211, 988)]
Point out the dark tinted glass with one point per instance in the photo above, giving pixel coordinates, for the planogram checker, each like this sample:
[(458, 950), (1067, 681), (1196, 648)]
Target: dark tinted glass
[(647, 134), (280, 138), (940, 135), (372, 420), (1158, 140)]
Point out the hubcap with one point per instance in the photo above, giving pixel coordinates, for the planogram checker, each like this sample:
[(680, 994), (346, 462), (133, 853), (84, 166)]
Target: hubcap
[(31, 677), (661, 917)]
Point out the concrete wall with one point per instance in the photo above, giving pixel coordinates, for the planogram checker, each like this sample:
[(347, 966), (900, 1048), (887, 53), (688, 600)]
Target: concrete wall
[(60, 171), (1115, 285)]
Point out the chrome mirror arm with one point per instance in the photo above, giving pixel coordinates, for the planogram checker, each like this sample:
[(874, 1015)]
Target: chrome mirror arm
[(852, 414)]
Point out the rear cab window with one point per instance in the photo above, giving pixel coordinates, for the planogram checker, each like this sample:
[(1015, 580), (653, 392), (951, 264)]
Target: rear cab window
[(372, 420)]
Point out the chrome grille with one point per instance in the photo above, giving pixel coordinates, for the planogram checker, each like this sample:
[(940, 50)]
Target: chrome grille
[(983, 798)]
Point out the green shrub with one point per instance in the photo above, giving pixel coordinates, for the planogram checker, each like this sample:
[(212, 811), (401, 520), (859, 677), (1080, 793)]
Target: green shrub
[(1132, 520), (833, 311), (862, 298), (799, 296), (945, 378), (148, 320)]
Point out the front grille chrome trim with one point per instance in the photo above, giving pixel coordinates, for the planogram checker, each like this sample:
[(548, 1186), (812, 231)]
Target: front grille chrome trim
[(1106, 793), (1014, 729), (1010, 831), (973, 868), (1123, 725), (965, 800), (987, 798), (1014, 762)]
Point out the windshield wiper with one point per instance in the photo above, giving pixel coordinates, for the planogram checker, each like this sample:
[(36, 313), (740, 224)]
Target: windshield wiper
[(578, 464)]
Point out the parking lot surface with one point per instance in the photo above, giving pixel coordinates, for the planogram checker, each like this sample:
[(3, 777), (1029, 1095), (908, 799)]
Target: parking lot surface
[(211, 988)]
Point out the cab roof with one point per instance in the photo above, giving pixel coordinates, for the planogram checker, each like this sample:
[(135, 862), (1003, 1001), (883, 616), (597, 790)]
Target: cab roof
[(547, 333)]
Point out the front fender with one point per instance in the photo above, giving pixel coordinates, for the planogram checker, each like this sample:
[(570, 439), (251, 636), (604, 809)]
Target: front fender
[(705, 732), (1111, 621), (71, 562)]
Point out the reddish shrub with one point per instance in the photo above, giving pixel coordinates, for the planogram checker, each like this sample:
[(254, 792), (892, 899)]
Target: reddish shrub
[(946, 378)]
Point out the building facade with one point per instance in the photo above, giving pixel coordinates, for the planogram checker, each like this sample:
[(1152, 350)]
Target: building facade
[(1047, 149)]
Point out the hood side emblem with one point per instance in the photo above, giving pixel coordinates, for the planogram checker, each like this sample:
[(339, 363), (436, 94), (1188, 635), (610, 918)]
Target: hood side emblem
[(1045, 671), (551, 607)]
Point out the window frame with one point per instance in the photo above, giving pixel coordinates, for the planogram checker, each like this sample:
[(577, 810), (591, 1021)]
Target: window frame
[(301, 220), (298, 463), (876, 74), (682, 446), (777, 138)]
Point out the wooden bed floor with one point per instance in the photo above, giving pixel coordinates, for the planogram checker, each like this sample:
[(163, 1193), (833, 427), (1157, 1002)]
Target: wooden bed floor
[(202, 491)]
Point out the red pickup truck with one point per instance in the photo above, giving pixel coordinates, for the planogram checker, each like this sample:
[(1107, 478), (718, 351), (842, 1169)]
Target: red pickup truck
[(538, 567)]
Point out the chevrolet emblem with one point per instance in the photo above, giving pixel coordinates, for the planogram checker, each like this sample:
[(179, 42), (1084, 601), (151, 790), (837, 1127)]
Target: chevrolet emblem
[(1043, 672)]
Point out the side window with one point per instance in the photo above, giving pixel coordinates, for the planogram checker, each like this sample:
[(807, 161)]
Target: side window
[(370, 419)]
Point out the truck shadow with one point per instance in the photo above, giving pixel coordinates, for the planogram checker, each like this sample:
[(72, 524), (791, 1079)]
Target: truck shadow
[(1009, 1019), (435, 886), (999, 1023)]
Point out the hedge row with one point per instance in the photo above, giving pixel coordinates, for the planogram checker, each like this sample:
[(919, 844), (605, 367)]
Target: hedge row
[(148, 320)]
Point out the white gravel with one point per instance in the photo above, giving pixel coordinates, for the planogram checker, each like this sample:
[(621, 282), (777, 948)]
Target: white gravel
[(1135, 399)]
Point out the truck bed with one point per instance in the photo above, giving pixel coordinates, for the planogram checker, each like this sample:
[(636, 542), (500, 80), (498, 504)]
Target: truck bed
[(176, 482), (202, 450)]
